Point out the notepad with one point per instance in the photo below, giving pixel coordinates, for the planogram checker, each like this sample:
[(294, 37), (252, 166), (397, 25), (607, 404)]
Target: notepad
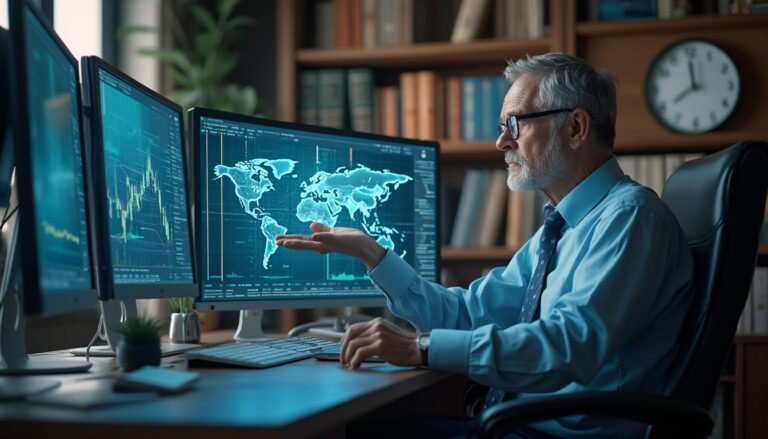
[(156, 379)]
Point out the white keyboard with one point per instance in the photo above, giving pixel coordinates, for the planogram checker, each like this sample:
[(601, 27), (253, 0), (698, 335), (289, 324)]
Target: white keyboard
[(259, 354)]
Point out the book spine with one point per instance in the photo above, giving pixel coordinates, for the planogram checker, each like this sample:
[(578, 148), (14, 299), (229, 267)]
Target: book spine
[(368, 13), (409, 104), (387, 23), (469, 20), (453, 107), (308, 97), (389, 113), (332, 98), (427, 94), (360, 92), (493, 209), (469, 90)]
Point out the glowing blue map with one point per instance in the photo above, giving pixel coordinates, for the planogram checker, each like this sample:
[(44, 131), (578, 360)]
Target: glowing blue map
[(324, 196)]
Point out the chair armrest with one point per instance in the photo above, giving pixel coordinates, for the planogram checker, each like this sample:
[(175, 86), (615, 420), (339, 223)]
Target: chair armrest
[(670, 414)]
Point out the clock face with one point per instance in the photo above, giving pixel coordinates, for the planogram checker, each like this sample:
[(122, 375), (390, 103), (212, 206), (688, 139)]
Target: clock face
[(693, 86)]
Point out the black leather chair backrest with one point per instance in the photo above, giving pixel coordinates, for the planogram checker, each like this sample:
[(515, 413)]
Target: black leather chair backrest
[(719, 201)]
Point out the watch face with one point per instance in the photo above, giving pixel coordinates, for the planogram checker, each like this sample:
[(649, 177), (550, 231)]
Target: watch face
[(693, 86)]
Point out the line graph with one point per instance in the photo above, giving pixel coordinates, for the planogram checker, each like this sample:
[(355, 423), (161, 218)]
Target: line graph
[(124, 209), (146, 200)]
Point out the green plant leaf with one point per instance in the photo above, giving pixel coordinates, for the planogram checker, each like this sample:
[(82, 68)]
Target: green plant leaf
[(238, 22), (226, 63), (203, 17), (177, 57), (187, 97), (180, 79), (226, 7), (140, 327), (127, 30), (203, 44)]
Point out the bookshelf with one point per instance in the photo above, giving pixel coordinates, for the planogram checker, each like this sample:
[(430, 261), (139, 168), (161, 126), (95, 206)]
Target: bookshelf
[(625, 48)]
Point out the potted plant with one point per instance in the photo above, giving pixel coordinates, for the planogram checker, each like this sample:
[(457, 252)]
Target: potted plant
[(185, 326), (140, 343)]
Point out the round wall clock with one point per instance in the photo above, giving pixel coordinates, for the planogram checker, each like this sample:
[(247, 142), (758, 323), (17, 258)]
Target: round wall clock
[(693, 86)]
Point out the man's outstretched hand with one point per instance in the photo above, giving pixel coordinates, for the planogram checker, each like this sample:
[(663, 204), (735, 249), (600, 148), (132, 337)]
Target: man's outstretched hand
[(342, 240), (379, 337)]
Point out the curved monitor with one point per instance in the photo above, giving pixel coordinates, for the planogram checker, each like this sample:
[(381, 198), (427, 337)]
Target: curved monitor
[(258, 178), (50, 170), (140, 181)]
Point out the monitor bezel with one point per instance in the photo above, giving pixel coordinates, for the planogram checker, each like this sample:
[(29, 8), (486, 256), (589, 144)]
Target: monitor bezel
[(110, 289), (287, 303), (35, 300)]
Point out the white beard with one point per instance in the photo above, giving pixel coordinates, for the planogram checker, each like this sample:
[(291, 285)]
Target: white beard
[(526, 178)]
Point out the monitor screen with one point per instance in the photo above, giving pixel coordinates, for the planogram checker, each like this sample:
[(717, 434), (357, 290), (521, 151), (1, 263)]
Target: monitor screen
[(138, 148), (257, 179), (50, 172)]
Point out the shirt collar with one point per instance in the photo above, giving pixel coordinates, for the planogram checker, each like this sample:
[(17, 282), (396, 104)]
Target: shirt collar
[(585, 196)]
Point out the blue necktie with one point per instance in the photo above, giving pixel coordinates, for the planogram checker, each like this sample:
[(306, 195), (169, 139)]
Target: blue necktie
[(529, 312)]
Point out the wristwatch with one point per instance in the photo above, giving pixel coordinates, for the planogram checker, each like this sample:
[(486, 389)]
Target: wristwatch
[(422, 342)]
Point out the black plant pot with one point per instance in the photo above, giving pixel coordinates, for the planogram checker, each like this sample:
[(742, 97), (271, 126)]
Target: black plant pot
[(137, 352)]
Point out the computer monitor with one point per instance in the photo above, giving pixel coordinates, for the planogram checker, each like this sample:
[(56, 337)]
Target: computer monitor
[(258, 178), (140, 193), (48, 259)]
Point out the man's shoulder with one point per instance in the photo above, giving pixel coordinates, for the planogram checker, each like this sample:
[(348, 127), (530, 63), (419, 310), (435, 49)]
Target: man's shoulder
[(629, 196)]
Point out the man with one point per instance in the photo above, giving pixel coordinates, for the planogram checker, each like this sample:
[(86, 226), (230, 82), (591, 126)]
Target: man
[(593, 302)]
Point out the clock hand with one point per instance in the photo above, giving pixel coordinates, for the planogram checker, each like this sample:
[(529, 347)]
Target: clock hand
[(682, 95), (690, 75)]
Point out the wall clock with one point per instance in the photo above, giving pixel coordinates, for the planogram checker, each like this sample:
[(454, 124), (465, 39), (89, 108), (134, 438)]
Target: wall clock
[(693, 86)]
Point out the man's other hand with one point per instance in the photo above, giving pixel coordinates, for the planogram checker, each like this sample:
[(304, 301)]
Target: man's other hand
[(379, 337), (342, 240)]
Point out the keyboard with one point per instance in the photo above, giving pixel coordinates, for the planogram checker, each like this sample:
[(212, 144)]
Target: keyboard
[(259, 354)]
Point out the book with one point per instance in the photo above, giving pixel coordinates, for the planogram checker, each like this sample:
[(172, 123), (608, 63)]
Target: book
[(343, 23), (449, 200), (471, 15), (308, 96), (616, 10), (453, 107), (470, 90), (463, 234), (360, 95), (390, 120), (332, 102), (426, 87), (493, 209), (368, 23), (534, 15), (325, 37), (387, 25), (409, 100)]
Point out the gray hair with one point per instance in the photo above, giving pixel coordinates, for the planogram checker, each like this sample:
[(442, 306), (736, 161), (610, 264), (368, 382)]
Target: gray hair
[(570, 82)]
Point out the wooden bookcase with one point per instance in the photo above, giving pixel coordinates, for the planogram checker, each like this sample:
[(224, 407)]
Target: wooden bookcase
[(624, 48)]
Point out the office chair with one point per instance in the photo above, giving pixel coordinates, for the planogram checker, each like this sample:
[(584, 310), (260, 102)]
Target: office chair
[(719, 201)]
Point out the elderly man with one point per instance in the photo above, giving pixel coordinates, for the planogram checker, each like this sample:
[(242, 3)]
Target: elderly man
[(593, 302)]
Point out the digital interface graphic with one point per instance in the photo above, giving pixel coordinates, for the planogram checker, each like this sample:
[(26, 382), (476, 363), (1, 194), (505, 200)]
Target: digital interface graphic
[(257, 182), (146, 194), (57, 164)]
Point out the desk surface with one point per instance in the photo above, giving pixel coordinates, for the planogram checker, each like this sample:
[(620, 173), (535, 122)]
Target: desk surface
[(293, 400)]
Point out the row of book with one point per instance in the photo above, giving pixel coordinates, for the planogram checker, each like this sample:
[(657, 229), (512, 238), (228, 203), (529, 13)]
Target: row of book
[(387, 23), (616, 10), (653, 170), (484, 212), (423, 105), (754, 318)]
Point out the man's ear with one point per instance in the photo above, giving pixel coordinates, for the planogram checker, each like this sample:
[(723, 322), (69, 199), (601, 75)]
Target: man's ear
[(579, 127)]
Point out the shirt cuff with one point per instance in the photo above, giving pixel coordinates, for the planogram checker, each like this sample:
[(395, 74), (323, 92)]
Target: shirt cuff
[(449, 350), (393, 276)]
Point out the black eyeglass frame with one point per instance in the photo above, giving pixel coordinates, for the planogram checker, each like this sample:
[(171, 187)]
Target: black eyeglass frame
[(512, 121)]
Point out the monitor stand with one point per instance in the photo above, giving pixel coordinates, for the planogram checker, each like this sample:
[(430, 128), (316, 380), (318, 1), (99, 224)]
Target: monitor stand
[(331, 328), (113, 313), (249, 326), (13, 356)]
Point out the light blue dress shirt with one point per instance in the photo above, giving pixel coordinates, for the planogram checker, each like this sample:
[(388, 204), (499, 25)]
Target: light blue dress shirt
[(614, 303)]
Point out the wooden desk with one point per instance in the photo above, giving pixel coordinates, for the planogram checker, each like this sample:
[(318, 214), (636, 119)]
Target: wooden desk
[(303, 399)]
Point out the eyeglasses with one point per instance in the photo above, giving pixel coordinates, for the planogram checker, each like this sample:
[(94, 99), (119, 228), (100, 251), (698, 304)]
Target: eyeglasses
[(511, 124)]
